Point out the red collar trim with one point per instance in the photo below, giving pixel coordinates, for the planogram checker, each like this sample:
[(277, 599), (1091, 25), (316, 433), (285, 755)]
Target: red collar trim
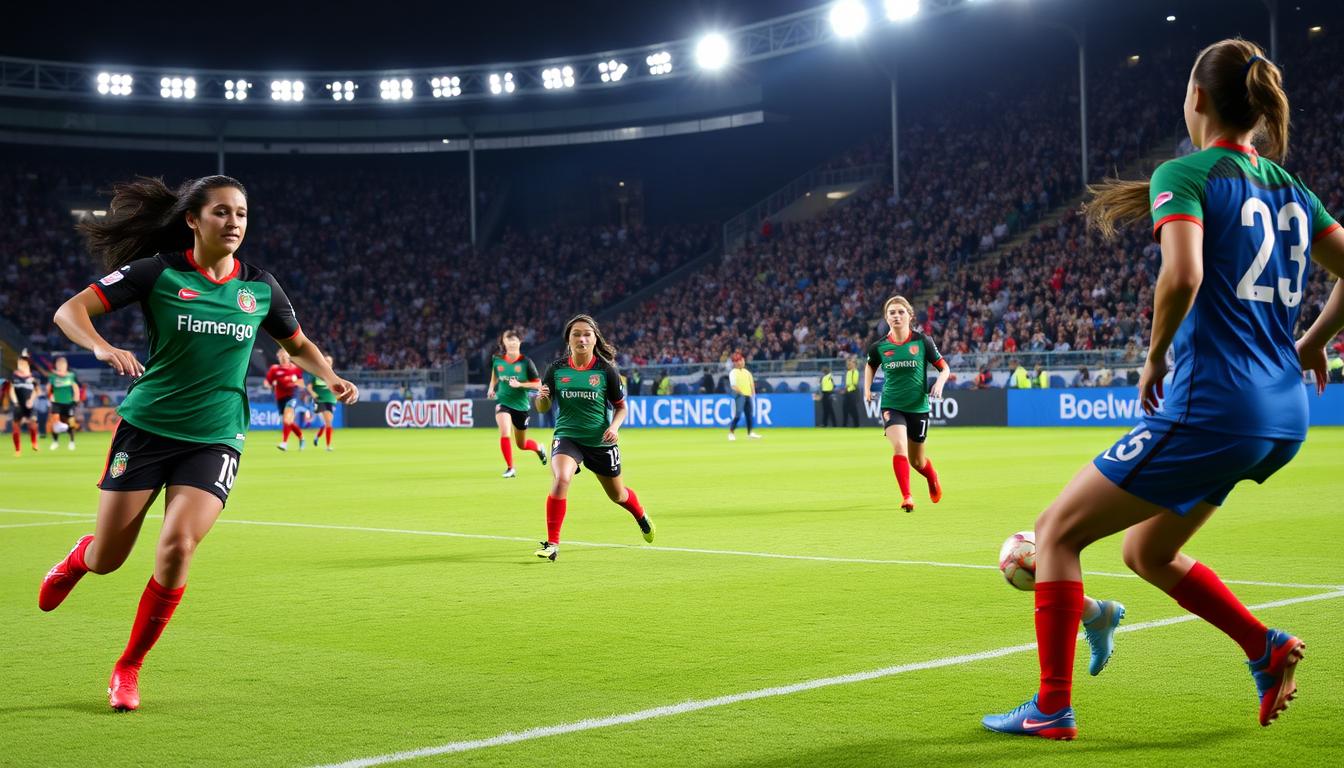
[(237, 265), (892, 337), (590, 364), (506, 359), (1242, 148)]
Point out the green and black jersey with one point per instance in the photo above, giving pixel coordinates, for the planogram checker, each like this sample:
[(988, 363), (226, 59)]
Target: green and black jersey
[(520, 368), (905, 365), (62, 388), (581, 397), (322, 391), (201, 333)]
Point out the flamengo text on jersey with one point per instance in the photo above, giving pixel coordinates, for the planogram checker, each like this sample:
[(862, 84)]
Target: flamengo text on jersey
[(239, 331)]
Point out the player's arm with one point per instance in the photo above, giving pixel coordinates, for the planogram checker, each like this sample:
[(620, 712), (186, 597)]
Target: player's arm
[(1177, 284), (935, 358), (75, 319), (1328, 251), (533, 381), (869, 371), (543, 401), (494, 381), (616, 396)]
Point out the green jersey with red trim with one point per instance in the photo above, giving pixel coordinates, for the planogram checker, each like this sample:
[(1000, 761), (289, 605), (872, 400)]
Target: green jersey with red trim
[(321, 390), (905, 365), (520, 368), (201, 333), (581, 397)]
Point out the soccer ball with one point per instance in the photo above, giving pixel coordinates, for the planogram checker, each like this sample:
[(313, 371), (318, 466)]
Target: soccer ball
[(1017, 560)]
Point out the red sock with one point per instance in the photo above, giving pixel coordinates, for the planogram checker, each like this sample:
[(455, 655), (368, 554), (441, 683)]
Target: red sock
[(298, 432), (328, 430), (555, 517), (531, 445), (1059, 610), (506, 448), (1202, 593), (32, 434), (76, 557), (156, 608), (901, 466), (927, 470), (14, 428), (284, 433), (631, 503)]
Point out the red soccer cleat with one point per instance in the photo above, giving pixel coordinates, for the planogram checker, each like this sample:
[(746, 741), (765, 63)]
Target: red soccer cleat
[(123, 690), (908, 504), (935, 490), (1273, 673), (62, 578)]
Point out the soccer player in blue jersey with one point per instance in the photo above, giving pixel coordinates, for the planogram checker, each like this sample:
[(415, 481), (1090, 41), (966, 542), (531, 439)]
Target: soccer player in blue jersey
[(1236, 232)]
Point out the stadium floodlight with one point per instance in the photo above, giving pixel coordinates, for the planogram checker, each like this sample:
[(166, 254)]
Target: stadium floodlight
[(1171, 18), (659, 63), (446, 87), (396, 89), (236, 90), (342, 90), (612, 71), (901, 10), (500, 84), (848, 18), (558, 77), (713, 51), (287, 90), (113, 84), (177, 87)]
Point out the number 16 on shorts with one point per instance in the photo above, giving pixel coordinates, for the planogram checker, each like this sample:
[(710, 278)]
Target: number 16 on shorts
[(1130, 446)]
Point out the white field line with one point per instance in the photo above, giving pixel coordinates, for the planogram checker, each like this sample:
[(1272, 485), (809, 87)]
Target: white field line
[(40, 525), (695, 705), (683, 550)]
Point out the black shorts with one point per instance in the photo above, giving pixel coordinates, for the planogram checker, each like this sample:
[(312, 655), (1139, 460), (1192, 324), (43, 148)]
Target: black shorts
[(21, 411), (281, 403), (520, 418), (326, 407), (63, 410), (138, 461), (604, 461), (916, 424)]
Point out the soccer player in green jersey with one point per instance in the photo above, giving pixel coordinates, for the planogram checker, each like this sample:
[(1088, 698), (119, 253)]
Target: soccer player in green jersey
[(324, 400), (518, 375), (904, 356), (582, 386), (63, 392), (185, 418)]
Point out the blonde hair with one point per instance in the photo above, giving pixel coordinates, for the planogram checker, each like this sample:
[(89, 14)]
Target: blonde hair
[(898, 300)]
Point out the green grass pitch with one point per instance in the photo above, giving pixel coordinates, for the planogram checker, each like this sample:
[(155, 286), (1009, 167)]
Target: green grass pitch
[(325, 641)]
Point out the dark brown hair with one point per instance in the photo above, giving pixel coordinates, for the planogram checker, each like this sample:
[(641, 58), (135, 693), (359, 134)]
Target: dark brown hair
[(1246, 91), (604, 348), (147, 217), (506, 334)]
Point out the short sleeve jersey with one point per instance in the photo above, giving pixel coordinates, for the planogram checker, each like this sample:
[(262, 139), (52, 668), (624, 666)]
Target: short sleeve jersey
[(521, 368), (201, 333), (23, 386), (322, 391), (286, 379), (905, 366), (583, 397), (63, 388), (1236, 370)]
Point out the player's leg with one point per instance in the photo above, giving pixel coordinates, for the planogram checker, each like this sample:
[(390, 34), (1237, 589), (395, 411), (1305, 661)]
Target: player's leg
[(505, 445), (14, 423), (68, 418), (917, 431), (293, 423), (616, 489), (737, 414), (750, 408), (520, 436), (1089, 508), (327, 418), (900, 457), (189, 514), (564, 464), (32, 430), (120, 515)]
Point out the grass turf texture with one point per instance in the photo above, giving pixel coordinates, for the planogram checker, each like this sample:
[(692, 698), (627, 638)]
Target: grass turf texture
[(297, 646)]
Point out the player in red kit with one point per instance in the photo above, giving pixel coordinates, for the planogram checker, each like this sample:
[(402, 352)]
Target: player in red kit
[(286, 380)]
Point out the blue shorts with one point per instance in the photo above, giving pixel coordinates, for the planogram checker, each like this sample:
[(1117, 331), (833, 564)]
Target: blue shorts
[(1178, 467)]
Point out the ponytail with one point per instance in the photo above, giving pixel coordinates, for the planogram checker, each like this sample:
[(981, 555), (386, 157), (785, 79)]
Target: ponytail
[(146, 217), (1116, 203), (1264, 92)]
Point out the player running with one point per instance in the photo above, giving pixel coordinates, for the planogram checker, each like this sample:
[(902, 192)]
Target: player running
[(286, 380), (582, 386), (185, 417), (325, 402), (904, 356), (22, 400), (64, 392), (518, 375), (743, 385), (1236, 232)]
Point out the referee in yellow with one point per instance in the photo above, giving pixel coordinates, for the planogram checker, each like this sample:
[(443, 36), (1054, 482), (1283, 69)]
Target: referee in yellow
[(851, 406), (744, 390), (827, 398)]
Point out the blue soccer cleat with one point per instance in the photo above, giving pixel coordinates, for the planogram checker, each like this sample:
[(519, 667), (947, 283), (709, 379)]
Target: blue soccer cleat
[(1100, 634), (1273, 673), (1028, 720)]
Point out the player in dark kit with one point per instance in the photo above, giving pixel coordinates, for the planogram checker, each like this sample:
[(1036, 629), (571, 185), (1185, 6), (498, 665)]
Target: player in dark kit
[(511, 376), (904, 356), (582, 386), (185, 417), (324, 400), (1236, 232), (286, 380), (22, 399), (63, 392)]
